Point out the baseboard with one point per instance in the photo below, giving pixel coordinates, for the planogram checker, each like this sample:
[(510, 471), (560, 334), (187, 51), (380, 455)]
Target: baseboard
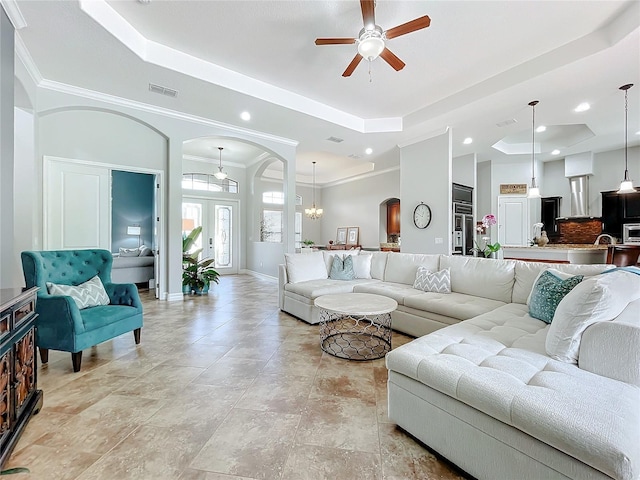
[(258, 275), (173, 297)]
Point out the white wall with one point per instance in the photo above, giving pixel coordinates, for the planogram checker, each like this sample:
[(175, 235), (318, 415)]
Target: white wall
[(556, 185), (425, 176), (8, 261), (357, 204), (463, 170)]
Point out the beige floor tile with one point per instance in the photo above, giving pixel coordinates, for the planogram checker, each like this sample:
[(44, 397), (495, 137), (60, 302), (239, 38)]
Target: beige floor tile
[(197, 355), (46, 463), (41, 424), (161, 381), (403, 457), (149, 453), (292, 362), (251, 444), (345, 423), (232, 372), (277, 393), (191, 474), (308, 462)]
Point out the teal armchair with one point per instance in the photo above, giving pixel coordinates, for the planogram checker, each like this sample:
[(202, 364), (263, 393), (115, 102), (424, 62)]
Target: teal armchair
[(61, 325)]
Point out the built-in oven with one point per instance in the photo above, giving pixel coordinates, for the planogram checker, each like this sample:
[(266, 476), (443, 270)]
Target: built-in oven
[(631, 233), (462, 194)]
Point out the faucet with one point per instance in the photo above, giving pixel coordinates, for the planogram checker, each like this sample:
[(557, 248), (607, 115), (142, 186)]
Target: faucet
[(612, 241)]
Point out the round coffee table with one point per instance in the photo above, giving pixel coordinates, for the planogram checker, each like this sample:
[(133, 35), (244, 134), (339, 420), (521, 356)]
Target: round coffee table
[(355, 326)]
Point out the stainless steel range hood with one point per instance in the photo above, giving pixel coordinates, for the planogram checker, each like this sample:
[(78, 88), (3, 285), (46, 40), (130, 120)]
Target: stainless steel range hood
[(579, 196)]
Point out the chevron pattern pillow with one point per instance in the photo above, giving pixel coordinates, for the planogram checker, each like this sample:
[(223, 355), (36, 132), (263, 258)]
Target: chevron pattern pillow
[(88, 294), (438, 282)]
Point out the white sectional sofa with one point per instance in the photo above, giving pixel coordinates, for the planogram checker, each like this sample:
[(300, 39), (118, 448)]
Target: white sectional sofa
[(489, 390)]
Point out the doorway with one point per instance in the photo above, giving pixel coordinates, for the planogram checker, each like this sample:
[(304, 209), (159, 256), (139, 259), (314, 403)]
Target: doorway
[(219, 238)]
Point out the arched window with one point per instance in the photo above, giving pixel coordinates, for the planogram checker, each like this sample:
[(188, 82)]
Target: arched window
[(271, 224)]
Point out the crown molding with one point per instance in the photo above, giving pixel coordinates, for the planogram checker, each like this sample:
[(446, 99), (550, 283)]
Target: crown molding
[(145, 107), (27, 60), (14, 13), (361, 176), (426, 136)]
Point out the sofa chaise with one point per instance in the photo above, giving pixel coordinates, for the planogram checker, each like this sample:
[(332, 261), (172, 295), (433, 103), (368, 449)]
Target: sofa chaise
[(501, 394)]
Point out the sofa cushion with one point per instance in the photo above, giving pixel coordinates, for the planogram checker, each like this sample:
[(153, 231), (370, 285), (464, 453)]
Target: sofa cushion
[(437, 282), (342, 268), (302, 267), (527, 273), (481, 363), (88, 294), (378, 264), (402, 267), (129, 252), (547, 293), (314, 288), (362, 265), (455, 305), (481, 277), (597, 299), (398, 291)]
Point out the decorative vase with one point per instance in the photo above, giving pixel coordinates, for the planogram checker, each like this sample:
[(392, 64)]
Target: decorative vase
[(186, 289), (201, 290), (543, 240)]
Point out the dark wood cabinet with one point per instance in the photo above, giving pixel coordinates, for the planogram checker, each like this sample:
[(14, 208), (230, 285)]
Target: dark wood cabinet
[(393, 218), (618, 209), (550, 211), (19, 396)]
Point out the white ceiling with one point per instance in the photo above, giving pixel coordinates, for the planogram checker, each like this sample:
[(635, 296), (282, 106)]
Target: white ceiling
[(478, 64)]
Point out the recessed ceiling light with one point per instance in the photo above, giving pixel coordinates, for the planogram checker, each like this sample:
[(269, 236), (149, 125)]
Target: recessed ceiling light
[(583, 107), (368, 151), (541, 129), (246, 116), (555, 152), (467, 140)]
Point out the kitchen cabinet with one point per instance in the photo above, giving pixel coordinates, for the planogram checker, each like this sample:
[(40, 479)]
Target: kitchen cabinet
[(618, 209), (393, 218), (550, 211), (19, 397)]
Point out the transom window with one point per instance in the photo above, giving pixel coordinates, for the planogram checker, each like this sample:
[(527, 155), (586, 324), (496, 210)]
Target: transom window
[(277, 198), (209, 183)]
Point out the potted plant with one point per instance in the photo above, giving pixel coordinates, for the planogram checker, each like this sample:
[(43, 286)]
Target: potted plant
[(307, 245), (197, 275), (11, 471), (489, 250)]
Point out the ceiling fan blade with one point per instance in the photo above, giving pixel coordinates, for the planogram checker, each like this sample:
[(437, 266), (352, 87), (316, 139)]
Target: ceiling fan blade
[(368, 13), (352, 66), (412, 26), (392, 60), (335, 41)]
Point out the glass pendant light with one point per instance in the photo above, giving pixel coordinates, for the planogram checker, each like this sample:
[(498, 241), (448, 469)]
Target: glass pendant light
[(220, 175), (626, 186), (534, 190)]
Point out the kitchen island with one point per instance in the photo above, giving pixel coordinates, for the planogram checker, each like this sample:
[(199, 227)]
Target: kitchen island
[(559, 253)]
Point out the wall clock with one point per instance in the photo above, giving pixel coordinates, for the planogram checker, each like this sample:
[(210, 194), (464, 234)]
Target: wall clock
[(422, 216)]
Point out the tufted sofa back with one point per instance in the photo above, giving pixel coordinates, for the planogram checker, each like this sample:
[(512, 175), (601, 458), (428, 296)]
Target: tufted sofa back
[(66, 267)]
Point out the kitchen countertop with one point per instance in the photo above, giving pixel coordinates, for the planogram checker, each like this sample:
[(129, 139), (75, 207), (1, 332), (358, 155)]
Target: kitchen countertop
[(582, 253), (563, 246)]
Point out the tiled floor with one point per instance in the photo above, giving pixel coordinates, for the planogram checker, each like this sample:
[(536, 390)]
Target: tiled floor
[(222, 387)]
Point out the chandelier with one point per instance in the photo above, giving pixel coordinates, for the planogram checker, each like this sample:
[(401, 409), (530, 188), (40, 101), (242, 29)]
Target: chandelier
[(313, 213)]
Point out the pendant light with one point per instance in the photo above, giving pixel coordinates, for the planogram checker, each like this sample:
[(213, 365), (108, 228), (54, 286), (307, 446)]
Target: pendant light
[(626, 186), (534, 191), (313, 213), (220, 175)]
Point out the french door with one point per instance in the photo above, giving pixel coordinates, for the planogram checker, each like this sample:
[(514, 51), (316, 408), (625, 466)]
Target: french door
[(219, 238)]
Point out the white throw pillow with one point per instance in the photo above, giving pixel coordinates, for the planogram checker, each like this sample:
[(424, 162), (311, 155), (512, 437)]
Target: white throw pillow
[(557, 273), (305, 266), (129, 252), (88, 294), (596, 299), (145, 251), (438, 282), (362, 265)]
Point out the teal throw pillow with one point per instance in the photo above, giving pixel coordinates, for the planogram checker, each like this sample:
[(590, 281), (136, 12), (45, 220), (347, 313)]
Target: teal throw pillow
[(342, 268), (547, 293)]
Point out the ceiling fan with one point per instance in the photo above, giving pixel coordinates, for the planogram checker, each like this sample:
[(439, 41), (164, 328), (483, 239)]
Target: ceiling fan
[(371, 39)]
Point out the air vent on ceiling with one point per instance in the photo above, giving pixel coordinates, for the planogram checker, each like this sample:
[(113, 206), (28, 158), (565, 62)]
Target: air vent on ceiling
[(507, 122), (335, 139), (163, 90), (353, 155)]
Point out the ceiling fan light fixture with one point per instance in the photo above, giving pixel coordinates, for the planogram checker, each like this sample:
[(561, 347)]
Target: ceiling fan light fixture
[(371, 43)]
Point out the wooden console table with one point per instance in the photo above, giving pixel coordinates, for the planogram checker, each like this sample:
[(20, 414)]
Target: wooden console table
[(342, 246), (19, 397)]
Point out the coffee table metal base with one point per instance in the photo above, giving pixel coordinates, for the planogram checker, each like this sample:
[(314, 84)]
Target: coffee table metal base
[(355, 337)]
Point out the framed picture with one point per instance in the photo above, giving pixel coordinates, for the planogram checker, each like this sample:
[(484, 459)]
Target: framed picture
[(341, 237), (352, 235)]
